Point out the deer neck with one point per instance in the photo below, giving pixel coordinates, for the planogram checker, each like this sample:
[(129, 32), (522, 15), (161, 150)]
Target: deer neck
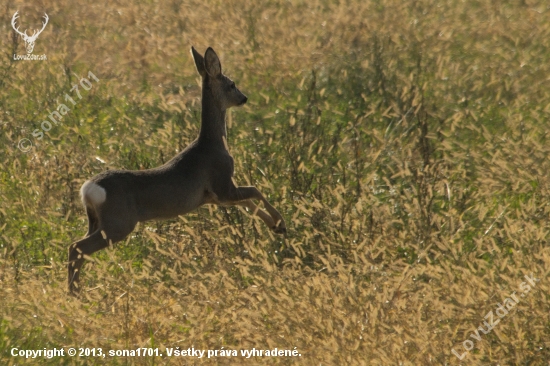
[(213, 128)]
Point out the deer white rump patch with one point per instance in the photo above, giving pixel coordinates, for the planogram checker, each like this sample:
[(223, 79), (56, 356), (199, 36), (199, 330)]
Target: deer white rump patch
[(92, 194)]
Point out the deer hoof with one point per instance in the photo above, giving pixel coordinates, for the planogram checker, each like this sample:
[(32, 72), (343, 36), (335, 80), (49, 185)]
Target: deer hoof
[(279, 229)]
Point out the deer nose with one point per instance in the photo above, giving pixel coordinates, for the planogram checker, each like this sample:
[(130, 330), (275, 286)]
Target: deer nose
[(244, 100)]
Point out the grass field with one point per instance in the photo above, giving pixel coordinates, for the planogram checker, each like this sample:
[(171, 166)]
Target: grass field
[(406, 144)]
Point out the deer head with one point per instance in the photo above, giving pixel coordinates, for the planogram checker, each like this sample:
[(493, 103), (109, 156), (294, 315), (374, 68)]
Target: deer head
[(29, 40)]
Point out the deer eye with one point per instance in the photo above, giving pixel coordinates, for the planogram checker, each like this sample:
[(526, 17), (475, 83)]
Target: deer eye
[(232, 85)]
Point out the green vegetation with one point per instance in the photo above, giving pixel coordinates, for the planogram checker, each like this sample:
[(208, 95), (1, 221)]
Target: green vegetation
[(406, 145)]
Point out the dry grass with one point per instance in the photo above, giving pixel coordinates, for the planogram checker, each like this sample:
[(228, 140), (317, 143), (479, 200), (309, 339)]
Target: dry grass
[(406, 145)]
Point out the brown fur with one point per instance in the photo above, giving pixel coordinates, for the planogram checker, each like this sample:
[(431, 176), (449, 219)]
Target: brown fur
[(117, 200)]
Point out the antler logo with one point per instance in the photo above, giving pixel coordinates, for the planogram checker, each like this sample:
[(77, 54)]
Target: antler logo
[(29, 40)]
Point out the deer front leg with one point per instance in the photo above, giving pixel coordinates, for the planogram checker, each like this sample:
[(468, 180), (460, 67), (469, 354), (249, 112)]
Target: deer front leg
[(242, 196), (258, 212)]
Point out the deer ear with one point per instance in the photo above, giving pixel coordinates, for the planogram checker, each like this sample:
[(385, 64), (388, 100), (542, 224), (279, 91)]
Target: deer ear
[(199, 61), (212, 63)]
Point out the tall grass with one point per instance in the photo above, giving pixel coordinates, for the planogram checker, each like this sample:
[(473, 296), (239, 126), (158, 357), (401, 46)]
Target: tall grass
[(406, 145)]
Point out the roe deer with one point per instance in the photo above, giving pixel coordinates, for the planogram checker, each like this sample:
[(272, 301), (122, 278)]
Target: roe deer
[(116, 200)]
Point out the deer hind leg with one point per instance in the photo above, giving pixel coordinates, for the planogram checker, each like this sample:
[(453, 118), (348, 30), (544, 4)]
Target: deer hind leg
[(93, 221), (78, 250), (112, 231), (242, 196)]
